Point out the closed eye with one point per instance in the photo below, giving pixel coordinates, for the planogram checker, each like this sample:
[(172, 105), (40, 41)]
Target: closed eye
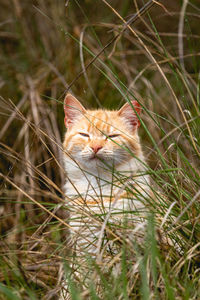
[(112, 136), (84, 134)]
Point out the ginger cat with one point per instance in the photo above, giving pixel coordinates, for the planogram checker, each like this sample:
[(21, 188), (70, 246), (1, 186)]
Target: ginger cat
[(106, 181)]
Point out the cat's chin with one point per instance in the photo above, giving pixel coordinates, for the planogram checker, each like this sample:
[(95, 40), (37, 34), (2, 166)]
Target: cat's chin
[(94, 160), (97, 163), (98, 158)]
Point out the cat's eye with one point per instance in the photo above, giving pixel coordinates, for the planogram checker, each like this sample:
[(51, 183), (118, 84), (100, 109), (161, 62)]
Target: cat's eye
[(84, 134), (112, 136)]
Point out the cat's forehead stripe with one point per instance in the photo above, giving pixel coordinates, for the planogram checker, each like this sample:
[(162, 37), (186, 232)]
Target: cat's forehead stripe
[(99, 120)]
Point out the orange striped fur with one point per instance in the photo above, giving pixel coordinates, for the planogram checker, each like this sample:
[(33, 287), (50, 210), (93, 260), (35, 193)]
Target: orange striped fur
[(102, 154), (105, 170)]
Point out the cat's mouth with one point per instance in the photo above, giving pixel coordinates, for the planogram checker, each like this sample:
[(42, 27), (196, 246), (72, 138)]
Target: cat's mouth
[(94, 157)]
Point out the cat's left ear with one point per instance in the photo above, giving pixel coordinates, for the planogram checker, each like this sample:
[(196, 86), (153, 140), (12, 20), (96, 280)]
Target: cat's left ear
[(129, 114), (73, 110)]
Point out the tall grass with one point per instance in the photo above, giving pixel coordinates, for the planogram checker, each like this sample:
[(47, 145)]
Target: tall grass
[(49, 46)]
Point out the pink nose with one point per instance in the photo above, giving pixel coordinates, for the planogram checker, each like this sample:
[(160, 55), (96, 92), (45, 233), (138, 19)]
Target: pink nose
[(96, 148)]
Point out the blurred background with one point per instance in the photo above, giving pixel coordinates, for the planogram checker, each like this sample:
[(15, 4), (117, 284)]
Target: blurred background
[(51, 47)]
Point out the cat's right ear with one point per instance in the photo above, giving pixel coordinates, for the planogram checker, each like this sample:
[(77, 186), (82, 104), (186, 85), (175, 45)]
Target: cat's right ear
[(73, 110), (130, 114)]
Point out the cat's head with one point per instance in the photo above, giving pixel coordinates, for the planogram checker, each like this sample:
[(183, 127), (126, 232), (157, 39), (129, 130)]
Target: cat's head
[(101, 136)]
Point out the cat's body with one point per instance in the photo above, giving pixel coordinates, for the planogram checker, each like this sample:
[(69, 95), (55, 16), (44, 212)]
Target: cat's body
[(106, 180)]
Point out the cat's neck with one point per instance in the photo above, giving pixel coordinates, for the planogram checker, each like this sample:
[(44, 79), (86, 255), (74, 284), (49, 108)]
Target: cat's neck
[(100, 180)]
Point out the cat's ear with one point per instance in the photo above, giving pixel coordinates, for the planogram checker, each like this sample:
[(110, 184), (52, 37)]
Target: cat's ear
[(73, 110), (129, 114)]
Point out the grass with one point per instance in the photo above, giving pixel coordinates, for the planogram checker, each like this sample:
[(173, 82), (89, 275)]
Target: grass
[(49, 46)]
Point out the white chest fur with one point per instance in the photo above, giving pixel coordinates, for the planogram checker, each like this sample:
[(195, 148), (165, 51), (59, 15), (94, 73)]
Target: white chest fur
[(98, 184)]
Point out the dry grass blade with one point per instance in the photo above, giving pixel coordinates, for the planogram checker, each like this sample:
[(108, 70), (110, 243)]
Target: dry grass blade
[(143, 10), (162, 73)]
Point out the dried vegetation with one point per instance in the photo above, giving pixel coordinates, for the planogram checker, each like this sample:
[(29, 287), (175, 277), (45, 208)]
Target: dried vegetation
[(48, 47)]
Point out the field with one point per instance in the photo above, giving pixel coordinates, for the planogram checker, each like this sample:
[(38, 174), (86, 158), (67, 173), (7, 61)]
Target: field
[(105, 53)]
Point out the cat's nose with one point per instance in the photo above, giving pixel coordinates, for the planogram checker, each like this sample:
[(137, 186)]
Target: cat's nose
[(96, 148)]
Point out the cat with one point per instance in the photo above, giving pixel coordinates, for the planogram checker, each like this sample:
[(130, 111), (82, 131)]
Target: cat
[(106, 180)]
